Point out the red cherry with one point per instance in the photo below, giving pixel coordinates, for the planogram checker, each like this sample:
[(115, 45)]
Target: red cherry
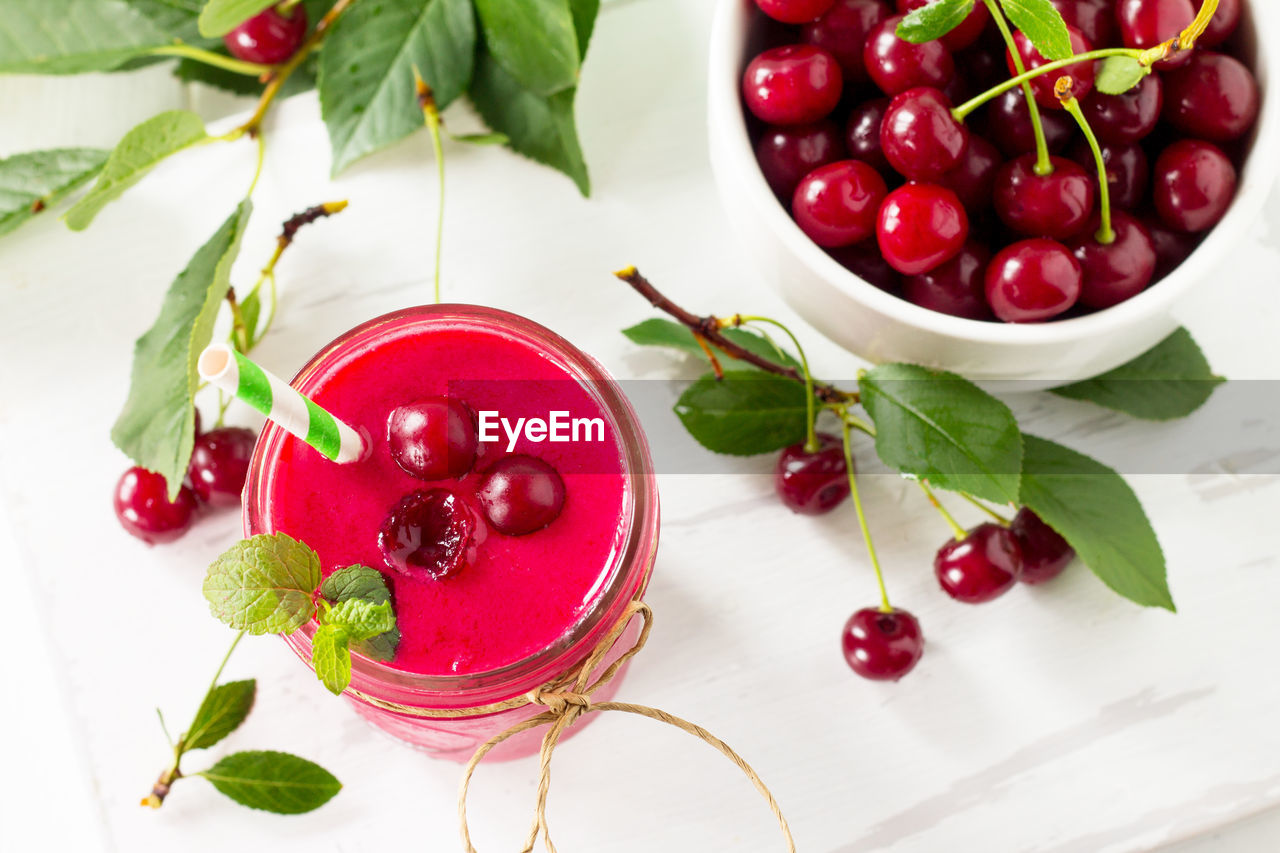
[(1172, 247), (974, 179), (957, 287), (787, 154), (796, 84), (1044, 553), (270, 37), (862, 133), (219, 465), (812, 483), (981, 567), (1094, 18), (1193, 185), (1081, 73), (966, 32), (865, 261), (896, 65), (843, 31), (920, 227), (1122, 119), (836, 205), (1008, 125), (144, 510), (920, 137), (429, 533), (433, 438), (1222, 25), (521, 494), (1213, 96), (882, 646), (1032, 281), (1117, 271), (1056, 205), (1128, 171), (1147, 23), (794, 11)]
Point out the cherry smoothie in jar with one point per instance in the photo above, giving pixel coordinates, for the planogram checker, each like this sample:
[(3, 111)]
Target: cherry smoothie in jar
[(515, 610)]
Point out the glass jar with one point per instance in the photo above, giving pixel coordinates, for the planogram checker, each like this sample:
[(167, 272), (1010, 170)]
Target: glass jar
[(450, 715)]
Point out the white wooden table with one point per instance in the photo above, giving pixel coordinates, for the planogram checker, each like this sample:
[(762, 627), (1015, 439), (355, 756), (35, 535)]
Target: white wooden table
[(1059, 719)]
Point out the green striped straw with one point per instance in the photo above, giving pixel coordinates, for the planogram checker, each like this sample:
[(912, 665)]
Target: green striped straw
[(226, 368)]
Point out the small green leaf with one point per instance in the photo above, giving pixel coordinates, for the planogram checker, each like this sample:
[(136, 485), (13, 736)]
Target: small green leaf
[(361, 619), (746, 413), (541, 128), (1041, 22), (1169, 381), (137, 154), (934, 20), (368, 585), (263, 584), (331, 657), (223, 710), (219, 17), (535, 41), (1094, 509), (36, 180), (942, 428), (273, 781), (366, 80), (657, 332), (157, 425), (1119, 74)]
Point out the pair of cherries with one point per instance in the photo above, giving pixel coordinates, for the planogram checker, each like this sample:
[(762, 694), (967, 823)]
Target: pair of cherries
[(215, 477), (432, 533), (884, 645)]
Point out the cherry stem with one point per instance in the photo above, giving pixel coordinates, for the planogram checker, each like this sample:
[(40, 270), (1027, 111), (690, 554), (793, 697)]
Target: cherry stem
[(287, 7), (1192, 33), (962, 112), (956, 529), (1106, 234), (811, 443), (846, 428), (709, 329), (995, 516), (1044, 166), (208, 57), (431, 116)]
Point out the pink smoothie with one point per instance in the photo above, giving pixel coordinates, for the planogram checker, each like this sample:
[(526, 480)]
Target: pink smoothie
[(520, 594)]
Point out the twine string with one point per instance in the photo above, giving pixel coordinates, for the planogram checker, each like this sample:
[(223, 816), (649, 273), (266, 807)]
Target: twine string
[(568, 703)]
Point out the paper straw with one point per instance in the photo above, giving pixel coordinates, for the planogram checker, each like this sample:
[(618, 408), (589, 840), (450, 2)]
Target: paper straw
[(226, 368)]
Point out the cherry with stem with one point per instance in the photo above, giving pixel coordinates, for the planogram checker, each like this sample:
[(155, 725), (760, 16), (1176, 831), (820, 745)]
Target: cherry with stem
[(1044, 166), (1106, 234), (958, 532)]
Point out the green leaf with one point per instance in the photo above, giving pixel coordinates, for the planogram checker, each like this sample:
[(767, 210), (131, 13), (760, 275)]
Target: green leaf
[(585, 13), (934, 20), (137, 154), (331, 657), (1119, 74), (366, 584), (75, 36), (223, 710), (535, 41), (220, 17), (366, 83), (1094, 509), (34, 181), (942, 428), (1041, 22), (1169, 381), (361, 619), (657, 332), (746, 413), (263, 584), (273, 781), (157, 425)]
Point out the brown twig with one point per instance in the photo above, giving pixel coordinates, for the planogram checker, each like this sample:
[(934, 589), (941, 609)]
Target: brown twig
[(708, 330)]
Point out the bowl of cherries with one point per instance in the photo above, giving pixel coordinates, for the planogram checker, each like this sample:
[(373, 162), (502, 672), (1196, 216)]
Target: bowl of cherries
[(921, 178)]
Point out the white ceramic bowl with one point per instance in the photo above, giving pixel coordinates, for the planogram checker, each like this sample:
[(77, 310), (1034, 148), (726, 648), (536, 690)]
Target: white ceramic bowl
[(881, 327)]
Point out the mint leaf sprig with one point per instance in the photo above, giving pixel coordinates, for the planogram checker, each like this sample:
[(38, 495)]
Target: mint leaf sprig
[(944, 431), (271, 781), (271, 584)]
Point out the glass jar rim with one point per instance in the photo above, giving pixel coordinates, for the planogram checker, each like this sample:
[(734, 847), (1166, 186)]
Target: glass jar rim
[(631, 563)]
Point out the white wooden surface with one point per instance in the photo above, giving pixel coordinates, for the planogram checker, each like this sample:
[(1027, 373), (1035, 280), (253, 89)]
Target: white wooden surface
[(1059, 719)]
